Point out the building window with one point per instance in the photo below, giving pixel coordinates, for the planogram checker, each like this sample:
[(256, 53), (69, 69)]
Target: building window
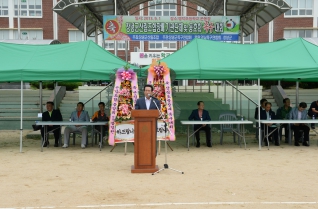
[(29, 34), (4, 34), (163, 8), (162, 45), (288, 34), (75, 36), (249, 39), (28, 8), (299, 8), (168, 8), (201, 11), (121, 45), (4, 11)]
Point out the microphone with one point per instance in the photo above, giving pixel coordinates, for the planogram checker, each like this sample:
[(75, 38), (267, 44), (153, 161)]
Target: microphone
[(149, 95)]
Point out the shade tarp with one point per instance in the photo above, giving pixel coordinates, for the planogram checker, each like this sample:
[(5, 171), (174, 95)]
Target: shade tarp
[(289, 60), (80, 61)]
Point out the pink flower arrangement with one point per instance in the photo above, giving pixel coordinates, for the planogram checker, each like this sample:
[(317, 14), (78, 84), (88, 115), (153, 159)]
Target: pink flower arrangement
[(124, 108), (159, 69), (125, 74), (125, 92)]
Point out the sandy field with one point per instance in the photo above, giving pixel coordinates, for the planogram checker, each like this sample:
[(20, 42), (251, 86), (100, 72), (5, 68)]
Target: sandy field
[(224, 176)]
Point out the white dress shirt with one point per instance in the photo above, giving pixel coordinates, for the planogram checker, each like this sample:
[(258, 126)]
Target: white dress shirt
[(148, 101)]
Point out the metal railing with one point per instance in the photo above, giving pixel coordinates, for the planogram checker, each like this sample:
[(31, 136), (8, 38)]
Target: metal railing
[(249, 100), (237, 102), (108, 88)]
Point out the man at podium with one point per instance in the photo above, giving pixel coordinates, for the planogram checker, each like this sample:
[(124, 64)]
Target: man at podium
[(145, 132), (148, 102)]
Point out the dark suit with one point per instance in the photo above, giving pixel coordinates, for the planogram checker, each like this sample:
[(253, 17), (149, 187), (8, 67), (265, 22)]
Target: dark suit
[(141, 104), (270, 129), (205, 117), (55, 116)]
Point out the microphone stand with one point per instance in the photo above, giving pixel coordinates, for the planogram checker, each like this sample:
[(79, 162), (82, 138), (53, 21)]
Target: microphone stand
[(165, 166)]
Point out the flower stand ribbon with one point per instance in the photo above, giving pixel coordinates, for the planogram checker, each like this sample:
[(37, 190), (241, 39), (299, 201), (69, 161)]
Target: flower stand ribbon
[(159, 77), (125, 95)]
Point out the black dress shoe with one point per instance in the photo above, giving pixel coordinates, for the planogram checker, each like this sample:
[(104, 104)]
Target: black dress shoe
[(297, 144), (56, 145), (46, 143), (313, 127), (306, 143), (209, 144), (198, 144), (276, 143)]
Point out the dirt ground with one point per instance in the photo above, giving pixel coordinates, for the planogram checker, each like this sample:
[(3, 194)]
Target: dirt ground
[(224, 176)]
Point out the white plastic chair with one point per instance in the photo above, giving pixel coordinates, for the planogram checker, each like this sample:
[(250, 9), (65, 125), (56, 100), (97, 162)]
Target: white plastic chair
[(227, 127)]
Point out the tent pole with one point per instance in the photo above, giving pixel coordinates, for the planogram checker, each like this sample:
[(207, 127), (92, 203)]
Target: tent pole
[(41, 102), (54, 95), (259, 115), (224, 83), (297, 93), (236, 105), (217, 89), (233, 98), (241, 104), (21, 117)]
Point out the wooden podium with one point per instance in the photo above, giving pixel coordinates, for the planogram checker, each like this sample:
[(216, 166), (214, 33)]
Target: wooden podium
[(145, 133)]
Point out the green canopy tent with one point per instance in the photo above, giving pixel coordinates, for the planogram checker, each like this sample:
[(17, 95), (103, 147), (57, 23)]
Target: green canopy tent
[(81, 61), (289, 60)]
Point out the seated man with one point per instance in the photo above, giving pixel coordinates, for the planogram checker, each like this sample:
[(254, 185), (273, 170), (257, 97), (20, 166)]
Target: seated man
[(201, 115), (100, 115), (300, 113), (282, 114), (78, 115), (268, 114), (262, 102), (313, 112), (51, 115)]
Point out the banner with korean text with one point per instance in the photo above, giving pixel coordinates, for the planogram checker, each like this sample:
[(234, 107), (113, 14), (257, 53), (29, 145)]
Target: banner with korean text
[(173, 28)]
